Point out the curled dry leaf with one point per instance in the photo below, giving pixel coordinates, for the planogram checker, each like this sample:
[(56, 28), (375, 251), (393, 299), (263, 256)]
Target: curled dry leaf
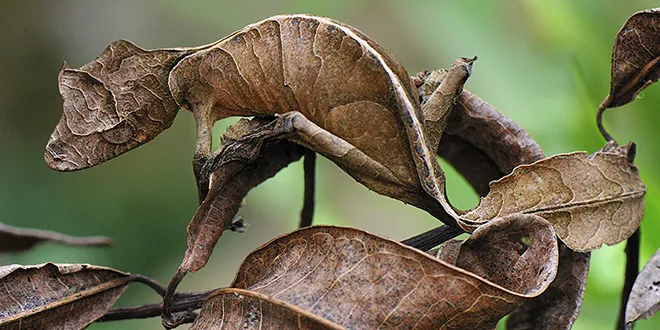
[(471, 162), (486, 142), (506, 143), (499, 253), (644, 300), (483, 144), (589, 199), (20, 239), (561, 301), (243, 309), (359, 280), (57, 296), (635, 58)]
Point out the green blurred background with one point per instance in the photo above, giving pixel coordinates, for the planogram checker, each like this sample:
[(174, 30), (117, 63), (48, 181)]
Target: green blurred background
[(544, 64)]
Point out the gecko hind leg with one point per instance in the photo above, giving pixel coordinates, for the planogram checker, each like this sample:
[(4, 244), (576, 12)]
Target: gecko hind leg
[(364, 169)]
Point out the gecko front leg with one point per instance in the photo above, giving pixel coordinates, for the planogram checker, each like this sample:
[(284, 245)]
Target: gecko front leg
[(202, 152)]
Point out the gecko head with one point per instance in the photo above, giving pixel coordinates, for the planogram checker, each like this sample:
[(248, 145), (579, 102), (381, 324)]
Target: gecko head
[(113, 104)]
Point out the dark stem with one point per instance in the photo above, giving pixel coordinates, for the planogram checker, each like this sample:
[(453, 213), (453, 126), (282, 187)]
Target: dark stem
[(599, 121), (632, 268), (309, 168), (432, 238), (21, 239), (170, 321), (182, 302), (159, 288)]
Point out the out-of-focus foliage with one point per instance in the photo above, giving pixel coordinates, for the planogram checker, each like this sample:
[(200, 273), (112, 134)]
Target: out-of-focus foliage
[(545, 64)]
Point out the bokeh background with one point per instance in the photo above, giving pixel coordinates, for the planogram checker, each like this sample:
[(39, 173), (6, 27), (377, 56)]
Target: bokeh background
[(544, 64)]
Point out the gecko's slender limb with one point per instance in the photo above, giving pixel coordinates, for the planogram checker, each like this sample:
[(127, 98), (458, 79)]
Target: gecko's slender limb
[(202, 153), (370, 172)]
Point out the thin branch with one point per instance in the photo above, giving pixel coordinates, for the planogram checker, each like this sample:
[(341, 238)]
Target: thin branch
[(432, 238), (632, 268), (182, 302), (21, 239), (309, 168), (169, 320), (599, 120), (159, 288)]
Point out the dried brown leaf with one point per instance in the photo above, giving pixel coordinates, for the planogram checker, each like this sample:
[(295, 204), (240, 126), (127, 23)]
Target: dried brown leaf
[(113, 104), (589, 199), (483, 144), (635, 58), (644, 300), (506, 143), (21, 239), (243, 309), (359, 280), (558, 307), (57, 296), (471, 162)]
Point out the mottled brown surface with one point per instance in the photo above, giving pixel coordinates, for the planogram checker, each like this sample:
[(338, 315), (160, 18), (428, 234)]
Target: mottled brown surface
[(334, 75), (362, 281), (481, 142), (589, 199), (635, 58), (644, 299), (308, 64), (50, 296), (504, 141), (294, 64), (242, 309), (558, 307)]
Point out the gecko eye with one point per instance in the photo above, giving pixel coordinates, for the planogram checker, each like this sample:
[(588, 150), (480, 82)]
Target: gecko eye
[(120, 134)]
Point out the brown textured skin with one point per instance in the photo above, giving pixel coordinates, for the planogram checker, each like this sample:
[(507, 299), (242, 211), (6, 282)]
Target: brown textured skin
[(332, 74), (113, 104), (242, 165), (293, 63)]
